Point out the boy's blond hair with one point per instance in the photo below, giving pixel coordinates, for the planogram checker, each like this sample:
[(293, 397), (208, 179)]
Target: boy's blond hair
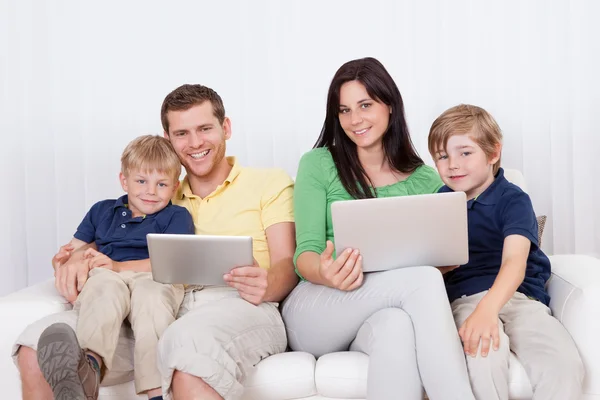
[(466, 119), (151, 153)]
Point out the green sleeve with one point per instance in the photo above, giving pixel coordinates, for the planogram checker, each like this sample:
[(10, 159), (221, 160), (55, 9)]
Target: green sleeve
[(430, 181), (310, 204)]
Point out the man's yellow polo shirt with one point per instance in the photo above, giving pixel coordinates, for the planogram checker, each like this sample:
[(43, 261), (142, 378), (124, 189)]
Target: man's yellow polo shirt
[(246, 204)]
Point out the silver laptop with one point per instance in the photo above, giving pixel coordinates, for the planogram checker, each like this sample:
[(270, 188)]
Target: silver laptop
[(197, 259), (404, 231)]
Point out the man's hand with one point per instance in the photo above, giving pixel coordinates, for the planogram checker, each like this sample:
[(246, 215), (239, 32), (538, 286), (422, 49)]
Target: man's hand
[(482, 325), (444, 270), (70, 278), (343, 273), (63, 255), (99, 260), (250, 281)]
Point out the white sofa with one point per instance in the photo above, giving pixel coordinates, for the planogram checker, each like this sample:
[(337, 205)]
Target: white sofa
[(574, 287)]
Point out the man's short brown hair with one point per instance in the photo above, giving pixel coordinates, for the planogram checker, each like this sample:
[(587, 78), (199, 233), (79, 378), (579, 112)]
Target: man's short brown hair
[(466, 119), (151, 153), (187, 96)]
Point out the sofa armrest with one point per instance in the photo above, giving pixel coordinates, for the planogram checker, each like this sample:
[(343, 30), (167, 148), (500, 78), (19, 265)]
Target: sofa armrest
[(17, 311), (575, 300)]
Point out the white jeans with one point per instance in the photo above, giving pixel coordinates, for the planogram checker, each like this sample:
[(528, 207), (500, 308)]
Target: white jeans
[(400, 318), (539, 341)]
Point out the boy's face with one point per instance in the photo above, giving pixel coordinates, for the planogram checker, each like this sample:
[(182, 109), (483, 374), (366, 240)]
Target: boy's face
[(148, 192), (198, 138), (464, 167)]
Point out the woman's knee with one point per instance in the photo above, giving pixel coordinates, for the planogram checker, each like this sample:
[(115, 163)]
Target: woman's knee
[(391, 323), (422, 278)]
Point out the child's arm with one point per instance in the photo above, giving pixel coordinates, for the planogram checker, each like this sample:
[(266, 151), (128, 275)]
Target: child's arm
[(180, 223), (72, 251), (99, 260), (483, 322)]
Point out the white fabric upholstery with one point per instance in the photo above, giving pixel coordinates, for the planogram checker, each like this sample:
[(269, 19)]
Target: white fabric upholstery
[(574, 288)]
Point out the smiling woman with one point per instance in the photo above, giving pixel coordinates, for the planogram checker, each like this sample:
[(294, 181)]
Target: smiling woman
[(365, 150), (365, 128)]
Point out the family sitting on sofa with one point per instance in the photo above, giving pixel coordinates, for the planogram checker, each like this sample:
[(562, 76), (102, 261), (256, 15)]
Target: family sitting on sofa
[(448, 329)]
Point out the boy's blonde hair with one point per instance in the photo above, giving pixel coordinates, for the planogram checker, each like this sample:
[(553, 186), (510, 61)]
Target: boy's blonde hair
[(466, 119), (151, 153)]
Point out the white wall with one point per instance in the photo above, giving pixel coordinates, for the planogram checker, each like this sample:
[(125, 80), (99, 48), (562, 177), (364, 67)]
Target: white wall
[(81, 79)]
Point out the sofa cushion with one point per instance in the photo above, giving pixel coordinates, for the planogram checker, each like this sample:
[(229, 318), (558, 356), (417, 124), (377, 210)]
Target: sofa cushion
[(282, 377), (344, 375)]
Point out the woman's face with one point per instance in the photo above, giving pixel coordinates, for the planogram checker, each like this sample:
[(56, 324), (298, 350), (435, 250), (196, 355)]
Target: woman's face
[(363, 119)]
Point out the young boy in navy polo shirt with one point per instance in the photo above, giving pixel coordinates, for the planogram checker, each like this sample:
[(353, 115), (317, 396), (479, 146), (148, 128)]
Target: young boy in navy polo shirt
[(114, 231), (499, 298)]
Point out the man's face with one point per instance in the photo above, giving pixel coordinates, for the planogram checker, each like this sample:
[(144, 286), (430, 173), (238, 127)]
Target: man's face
[(198, 138)]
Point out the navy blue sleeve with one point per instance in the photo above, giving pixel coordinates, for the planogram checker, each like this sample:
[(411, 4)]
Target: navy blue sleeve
[(86, 231), (181, 222), (518, 217)]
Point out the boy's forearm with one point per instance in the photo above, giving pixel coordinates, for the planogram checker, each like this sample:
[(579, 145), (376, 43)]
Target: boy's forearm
[(135, 266), (507, 282), (80, 248)]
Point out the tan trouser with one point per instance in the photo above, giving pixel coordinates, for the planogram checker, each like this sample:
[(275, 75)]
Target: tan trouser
[(108, 298), (539, 341)]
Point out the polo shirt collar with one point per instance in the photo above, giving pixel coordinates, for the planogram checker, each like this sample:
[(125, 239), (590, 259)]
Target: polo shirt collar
[(121, 202), (491, 195), (185, 190)]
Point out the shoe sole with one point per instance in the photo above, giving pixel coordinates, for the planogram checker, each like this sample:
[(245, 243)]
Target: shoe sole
[(58, 356)]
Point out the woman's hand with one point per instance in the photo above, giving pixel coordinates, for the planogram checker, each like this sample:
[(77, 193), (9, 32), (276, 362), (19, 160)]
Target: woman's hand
[(343, 273)]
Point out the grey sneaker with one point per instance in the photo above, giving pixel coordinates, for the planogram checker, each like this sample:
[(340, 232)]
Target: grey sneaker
[(65, 365)]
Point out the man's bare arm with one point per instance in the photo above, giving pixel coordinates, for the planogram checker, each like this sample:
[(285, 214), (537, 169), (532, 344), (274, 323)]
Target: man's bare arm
[(281, 276)]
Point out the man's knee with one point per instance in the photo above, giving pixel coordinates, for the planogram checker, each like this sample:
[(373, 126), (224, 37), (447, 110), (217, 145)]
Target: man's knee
[(27, 362), (200, 339)]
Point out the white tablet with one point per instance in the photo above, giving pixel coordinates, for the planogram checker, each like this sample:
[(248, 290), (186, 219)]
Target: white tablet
[(197, 259), (404, 231)]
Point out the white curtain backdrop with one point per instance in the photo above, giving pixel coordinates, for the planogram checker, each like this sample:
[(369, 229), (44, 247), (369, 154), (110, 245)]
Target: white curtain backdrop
[(79, 80)]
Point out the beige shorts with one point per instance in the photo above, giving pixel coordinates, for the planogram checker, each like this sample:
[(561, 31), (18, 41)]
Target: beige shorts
[(219, 337)]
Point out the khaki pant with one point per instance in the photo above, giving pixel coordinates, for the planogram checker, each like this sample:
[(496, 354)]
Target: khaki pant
[(107, 299), (539, 341), (219, 337)]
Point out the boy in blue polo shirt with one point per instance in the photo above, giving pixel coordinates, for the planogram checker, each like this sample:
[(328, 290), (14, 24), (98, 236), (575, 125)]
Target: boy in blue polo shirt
[(114, 231), (499, 298)]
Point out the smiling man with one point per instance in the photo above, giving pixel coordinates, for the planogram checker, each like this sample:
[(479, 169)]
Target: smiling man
[(222, 332)]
